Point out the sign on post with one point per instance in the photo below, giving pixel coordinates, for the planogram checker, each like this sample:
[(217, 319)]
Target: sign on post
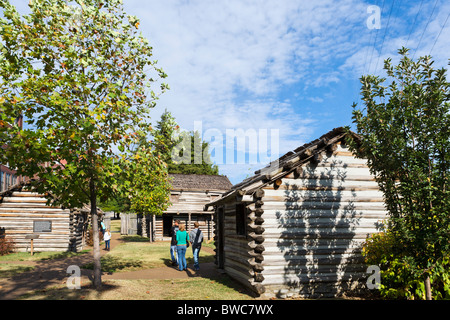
[(31, 237)]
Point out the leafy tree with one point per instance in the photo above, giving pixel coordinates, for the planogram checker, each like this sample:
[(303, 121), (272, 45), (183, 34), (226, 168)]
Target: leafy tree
[(82, 75), (116, 204), (405, 128), (146, 182)]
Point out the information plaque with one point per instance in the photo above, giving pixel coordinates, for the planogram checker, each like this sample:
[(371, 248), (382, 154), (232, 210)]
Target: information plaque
[(42, 226)]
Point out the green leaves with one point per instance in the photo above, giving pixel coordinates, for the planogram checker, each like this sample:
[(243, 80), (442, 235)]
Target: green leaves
[(148, 186), (401, 277), (405, 131), (75, 70)]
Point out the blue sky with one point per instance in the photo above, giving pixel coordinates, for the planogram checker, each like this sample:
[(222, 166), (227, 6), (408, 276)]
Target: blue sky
[(291, 66)]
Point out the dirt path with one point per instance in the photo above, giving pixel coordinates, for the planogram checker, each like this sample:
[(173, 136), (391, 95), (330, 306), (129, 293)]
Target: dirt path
[(54, 272)]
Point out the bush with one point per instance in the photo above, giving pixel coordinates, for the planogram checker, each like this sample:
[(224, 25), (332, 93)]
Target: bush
[(7, 246), (90, 238), (399, 277)]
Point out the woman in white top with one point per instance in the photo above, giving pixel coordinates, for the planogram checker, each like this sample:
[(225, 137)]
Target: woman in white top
[(107, 238)]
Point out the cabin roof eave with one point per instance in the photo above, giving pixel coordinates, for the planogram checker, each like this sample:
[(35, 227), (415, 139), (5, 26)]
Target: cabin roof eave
[(283, 166)]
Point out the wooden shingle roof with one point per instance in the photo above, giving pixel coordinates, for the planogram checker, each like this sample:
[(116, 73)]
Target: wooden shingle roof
[(199, 182), (286, 164)]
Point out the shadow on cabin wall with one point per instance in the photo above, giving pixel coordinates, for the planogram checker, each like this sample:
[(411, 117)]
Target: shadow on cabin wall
[(318, 231)]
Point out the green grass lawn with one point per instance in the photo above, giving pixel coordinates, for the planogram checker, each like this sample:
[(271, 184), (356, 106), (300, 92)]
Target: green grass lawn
[(177, 289), (39, 256), (135, 253), (9, 270)]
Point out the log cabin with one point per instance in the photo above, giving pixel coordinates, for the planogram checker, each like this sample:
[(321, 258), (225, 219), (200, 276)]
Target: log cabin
[(188, 196), (296, 227), (24, 213)]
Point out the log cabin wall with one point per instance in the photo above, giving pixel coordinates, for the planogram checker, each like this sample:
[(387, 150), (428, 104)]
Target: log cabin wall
[(206, 224), (238, 239), (307, 215), (79, 222), (187, 206), (22, 211), (189, 194), (315, 225)]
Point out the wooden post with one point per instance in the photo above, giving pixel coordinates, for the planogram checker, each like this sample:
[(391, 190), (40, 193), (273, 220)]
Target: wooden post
[(210, 225), (189, 223), (150, 229), (154, 227), (144, 225), (32, 237)]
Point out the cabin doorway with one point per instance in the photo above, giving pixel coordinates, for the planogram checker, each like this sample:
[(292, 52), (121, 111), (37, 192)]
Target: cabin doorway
[(167, 224), (221, 238)]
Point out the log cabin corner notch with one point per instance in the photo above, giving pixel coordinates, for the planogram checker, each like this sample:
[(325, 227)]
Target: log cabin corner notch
[(307, 214)]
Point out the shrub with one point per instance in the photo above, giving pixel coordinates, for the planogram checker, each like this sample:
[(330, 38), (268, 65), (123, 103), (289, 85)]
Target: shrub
[(7, 246), (400, 278), (90, 238)]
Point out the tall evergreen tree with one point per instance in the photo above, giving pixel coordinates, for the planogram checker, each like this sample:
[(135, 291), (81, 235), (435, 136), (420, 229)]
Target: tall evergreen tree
[(184, 152)]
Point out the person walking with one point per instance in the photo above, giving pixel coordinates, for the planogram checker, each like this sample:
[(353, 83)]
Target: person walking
[(182, 243), (173, 242), (107, 238), (196, 237), (102, 226)]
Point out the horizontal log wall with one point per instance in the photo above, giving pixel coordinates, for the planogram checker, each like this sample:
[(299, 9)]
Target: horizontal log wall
[(314, 225), (130, 224), (190, 201), (206, 224), (79, 222), (242, 252), (185, 202), (19, 211)]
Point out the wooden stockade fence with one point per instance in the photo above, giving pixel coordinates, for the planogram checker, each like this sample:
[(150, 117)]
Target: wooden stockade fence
[(128, 224)]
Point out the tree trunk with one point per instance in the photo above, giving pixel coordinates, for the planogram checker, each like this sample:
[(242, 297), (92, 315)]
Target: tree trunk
[(95, 233), (427, 286)]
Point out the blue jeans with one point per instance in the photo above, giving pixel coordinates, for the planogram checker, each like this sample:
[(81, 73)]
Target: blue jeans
[(107, 242), (196, 253), (181, 253), (173, 253)]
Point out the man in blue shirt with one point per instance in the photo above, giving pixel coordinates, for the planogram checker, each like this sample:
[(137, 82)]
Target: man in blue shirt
[(196, 237)]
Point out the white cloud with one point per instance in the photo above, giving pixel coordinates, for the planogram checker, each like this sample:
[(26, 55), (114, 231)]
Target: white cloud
[(404, 31), (230, 63), (227, 61)]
